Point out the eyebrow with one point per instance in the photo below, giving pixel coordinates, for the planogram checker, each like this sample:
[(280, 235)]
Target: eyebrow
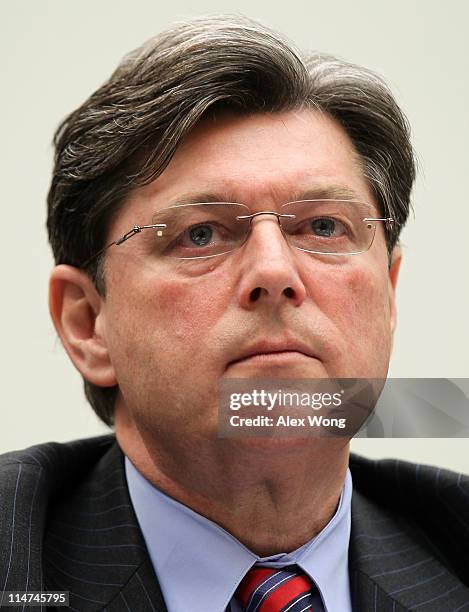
[(328, 192), (325, 192)]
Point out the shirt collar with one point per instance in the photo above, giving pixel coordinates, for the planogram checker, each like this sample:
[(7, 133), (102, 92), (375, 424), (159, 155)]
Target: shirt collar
[(197, 561)]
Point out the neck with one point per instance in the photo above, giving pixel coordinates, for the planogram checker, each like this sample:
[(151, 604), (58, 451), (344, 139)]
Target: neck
[(287, 488)]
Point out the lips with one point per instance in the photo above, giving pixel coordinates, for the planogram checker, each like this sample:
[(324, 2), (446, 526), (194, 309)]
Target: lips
[(272, 347)]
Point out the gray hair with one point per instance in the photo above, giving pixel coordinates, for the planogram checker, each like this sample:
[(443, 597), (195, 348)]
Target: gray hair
[(126, 133)]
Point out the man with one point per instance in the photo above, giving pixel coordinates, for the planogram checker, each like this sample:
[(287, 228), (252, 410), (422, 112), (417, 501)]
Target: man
[(223, 208)]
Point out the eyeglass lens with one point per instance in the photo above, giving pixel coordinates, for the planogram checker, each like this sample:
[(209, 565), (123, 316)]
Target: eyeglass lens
[(214, 228)]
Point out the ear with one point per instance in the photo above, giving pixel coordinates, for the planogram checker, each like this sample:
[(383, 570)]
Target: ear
[(396, 257), (76, 309)]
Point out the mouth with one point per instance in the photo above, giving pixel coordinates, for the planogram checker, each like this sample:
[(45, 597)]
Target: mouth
[(274, 357), (274, 354)]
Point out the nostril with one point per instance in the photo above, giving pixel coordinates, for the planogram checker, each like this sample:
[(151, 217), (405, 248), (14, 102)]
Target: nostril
[(255, 294)]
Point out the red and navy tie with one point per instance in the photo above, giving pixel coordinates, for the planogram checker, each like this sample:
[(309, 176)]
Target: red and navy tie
[(275, 590)]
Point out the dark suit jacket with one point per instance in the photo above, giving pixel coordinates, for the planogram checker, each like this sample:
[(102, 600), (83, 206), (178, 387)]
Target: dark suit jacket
[(67, 524)]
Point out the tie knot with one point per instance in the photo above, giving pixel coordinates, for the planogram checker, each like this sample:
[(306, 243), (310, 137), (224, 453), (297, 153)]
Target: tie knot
[(266, 589)]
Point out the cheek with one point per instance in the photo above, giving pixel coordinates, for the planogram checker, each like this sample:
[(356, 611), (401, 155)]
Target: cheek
[(348, 291), (355, 301), (189, 308), (170, 316), (361, 302)]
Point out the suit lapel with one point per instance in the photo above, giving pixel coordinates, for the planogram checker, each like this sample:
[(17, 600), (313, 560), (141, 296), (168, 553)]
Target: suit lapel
[(139, 593), (94, 548)]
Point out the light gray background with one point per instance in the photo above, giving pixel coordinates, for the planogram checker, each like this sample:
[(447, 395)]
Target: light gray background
[(55, 53)]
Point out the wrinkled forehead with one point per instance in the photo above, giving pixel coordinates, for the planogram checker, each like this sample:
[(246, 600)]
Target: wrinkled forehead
[(259, 160)]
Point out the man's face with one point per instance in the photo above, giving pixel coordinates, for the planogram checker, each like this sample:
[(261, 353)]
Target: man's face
[(174, 328)]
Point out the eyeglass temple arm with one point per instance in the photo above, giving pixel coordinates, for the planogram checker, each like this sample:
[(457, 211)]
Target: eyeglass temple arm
[(135, 230), (388, 221)]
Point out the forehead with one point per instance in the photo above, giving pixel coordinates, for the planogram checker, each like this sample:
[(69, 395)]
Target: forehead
[(261, 159)]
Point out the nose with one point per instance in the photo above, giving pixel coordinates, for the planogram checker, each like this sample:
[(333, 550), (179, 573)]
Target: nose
[(269, 273)]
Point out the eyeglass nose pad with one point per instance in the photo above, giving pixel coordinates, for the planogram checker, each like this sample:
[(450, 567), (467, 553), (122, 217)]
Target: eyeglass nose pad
[(372, 227), (251, 217), (278, 216)]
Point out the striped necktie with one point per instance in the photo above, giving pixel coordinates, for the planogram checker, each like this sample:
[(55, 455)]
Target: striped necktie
[(275, 590)]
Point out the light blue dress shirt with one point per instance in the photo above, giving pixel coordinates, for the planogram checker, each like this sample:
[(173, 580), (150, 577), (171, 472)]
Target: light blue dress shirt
[(199, 565)]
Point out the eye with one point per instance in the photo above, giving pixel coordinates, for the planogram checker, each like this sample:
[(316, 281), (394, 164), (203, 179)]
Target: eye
[(205, 237), (327, 227), (200, 235)]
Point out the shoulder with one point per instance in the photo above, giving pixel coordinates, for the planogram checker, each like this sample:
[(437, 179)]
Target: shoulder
[(52, 461), (436, 498), (42, 470), (387, 480)]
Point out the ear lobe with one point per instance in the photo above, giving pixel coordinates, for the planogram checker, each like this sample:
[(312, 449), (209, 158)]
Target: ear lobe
[(76, 310), (396, 258)]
